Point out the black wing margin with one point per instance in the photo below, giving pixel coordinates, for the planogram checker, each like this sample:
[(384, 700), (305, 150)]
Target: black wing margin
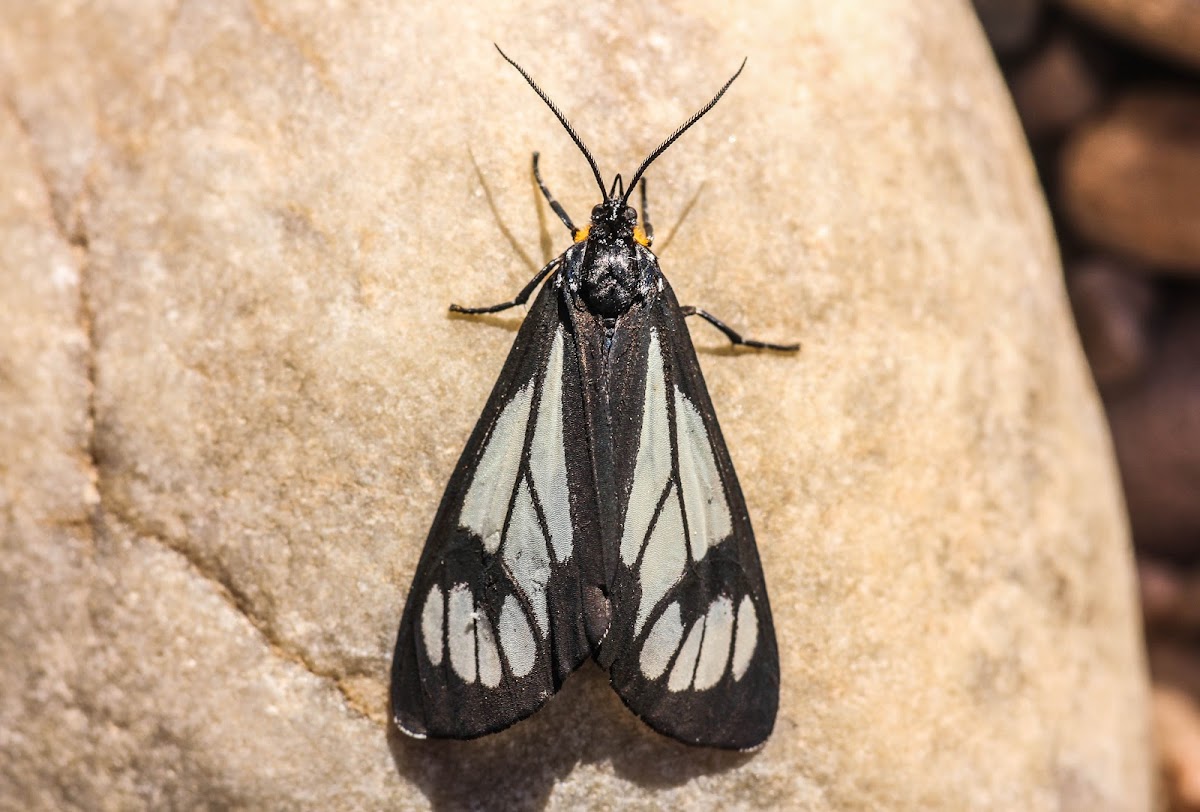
[(691, 649), (494, 621)]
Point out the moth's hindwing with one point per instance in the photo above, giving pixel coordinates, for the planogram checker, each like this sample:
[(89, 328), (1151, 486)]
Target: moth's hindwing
[(495, 619), (691, 649)]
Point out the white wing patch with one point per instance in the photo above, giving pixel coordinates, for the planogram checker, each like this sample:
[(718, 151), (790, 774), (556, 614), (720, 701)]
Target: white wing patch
[(664, 558), (745, 638), (706, 652), (703, 497), (662, 543), (489, 658), (460, 631), (498, 483), (662, 642), (653, 467), (433, 623), (526, 555), (685, 663), (547, 456), (486, 503), (714, 650), (516, 638), (474, 654)]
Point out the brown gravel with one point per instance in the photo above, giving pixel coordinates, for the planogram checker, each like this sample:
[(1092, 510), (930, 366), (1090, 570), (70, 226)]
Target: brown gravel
[(1131, 180)]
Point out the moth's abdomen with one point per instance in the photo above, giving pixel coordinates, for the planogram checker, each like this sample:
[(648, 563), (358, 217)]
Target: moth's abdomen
[(597, 613)]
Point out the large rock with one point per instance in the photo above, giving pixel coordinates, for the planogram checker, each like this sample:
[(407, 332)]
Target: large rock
[(231, 396)]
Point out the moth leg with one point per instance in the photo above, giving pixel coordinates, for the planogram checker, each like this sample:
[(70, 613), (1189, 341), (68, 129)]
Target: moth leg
[(519, 299), (646, 226), (734, 337), (554, 204)]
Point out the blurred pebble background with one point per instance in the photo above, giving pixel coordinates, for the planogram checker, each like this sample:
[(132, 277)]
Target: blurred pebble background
[(1109, 94)]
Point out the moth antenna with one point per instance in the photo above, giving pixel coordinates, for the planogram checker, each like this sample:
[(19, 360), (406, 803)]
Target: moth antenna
[(563, 119), (699, 114)]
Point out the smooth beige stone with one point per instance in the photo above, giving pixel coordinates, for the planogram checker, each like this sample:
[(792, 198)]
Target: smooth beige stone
[(244, 221)]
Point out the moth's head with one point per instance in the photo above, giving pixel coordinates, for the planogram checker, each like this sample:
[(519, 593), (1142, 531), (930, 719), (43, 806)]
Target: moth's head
[(613, 220)]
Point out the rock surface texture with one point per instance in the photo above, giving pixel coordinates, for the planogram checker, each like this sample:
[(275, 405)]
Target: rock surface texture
[(230, 395)]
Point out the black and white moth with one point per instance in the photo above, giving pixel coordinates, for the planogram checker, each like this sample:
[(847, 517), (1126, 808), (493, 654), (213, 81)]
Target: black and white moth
[(594, 511)]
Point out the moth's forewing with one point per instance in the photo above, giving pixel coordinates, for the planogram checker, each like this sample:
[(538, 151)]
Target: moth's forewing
[(491, 629), (691, 649)]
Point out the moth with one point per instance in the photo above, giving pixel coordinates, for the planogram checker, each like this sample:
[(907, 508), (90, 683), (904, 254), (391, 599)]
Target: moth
[(594, 512)]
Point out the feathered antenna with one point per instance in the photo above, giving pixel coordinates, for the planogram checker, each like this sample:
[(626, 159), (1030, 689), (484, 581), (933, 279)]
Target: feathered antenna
[(678, 132), (563, 119)]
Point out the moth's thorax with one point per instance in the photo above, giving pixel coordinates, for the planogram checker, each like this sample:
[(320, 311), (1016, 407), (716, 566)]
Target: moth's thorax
[(610, 276)]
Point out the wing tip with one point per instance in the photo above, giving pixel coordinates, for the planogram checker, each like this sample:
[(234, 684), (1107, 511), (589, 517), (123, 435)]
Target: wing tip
[(733, 744), (719, 737), (404, 728)]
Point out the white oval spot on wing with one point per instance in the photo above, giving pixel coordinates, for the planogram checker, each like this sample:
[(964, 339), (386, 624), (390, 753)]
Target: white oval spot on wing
[(460, 631), (526, 555), (745, 638), (714, 653), (489, 658), (491, 486), (547, 456), (433, 618), (703, 495), (685, 663), (516, 638), (662, 642), (653, 466), (664, 558)]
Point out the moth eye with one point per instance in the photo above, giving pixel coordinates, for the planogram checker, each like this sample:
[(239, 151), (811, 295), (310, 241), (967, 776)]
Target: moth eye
[(597, 211), (630, 214)]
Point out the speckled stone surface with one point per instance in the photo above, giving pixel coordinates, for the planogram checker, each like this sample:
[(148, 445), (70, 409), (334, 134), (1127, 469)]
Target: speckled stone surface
[(230, 395)]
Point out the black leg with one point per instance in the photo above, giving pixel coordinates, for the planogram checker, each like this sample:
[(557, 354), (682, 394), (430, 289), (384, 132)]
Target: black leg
[(732, 335), (646, 226), (519, 299), (554, 204)]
